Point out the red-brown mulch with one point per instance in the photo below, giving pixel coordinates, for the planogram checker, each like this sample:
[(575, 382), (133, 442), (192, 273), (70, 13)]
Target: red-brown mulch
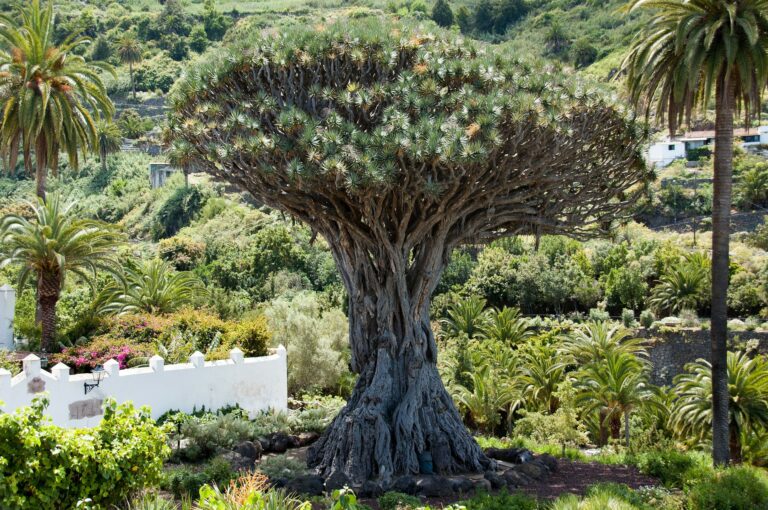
[(574, 477)]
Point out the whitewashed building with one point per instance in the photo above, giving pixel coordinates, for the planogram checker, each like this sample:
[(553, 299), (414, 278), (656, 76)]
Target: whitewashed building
[(664, 152)]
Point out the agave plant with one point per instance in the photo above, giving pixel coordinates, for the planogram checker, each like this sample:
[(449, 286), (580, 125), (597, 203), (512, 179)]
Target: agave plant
[(748, 406), (507, 326), (466, 317), (593, 341), (154, 287)]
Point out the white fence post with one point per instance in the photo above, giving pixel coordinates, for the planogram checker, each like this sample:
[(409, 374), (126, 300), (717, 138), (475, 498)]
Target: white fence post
[(61, 372), (7, 310), (31, 366)]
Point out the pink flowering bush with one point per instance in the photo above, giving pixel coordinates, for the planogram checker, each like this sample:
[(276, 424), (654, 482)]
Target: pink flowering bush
[(84, 358)]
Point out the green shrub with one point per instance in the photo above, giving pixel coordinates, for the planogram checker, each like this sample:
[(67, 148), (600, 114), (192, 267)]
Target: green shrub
[(282, 466), (501, 501), (737, 488), (185, 482), (252, 336), (43, 466), (212, 433), (398, 501), (178, 211), (628, 317), (647, 318), (674, 469), (8, 362)]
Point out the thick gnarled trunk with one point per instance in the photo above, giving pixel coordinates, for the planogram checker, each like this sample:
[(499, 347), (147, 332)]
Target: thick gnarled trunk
[(399, 410)]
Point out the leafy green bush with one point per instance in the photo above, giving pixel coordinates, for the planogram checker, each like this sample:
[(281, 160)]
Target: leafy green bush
[(213, 433), (398, 501), (252, 336), (647, 318), (737, 488), (672, 468), (185, 481), (501, 501), (178, 211), (282, 466), (43, 466)]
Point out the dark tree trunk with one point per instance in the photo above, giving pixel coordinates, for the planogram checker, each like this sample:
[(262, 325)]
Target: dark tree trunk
[(399, 408), (721, 211), (626, 428), (133, 83), (41, 175), (734, 445), (615, 424), (48, 290)]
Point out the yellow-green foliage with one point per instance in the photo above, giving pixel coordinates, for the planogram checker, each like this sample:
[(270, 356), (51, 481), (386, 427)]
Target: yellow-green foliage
[(46, 467)]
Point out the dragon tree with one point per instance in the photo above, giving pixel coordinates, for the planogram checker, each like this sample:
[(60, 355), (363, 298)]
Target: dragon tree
[(397, 145)]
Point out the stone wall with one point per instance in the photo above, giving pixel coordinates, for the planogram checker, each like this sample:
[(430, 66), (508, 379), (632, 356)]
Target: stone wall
[(670, 350)]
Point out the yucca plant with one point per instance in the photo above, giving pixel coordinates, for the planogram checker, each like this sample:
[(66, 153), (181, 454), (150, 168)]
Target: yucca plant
[(52, 245), (154, 287), (748, 400), (687, 51), (50, 94)]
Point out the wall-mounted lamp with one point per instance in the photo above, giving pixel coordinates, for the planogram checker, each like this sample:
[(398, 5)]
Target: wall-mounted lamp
[(97, 374)]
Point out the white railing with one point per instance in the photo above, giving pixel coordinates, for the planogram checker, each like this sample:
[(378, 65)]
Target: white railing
[(254, 384)]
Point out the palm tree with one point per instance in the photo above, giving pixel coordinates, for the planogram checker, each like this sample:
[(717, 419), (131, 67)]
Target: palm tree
[(595, 340), (541, 372), (109, 140), (49, 94), (129, 51), (683, 287), (467, 317), (55, 243), (747, 385), (507, 326), (614, 387), (687, 50), (489, 397), (154, 287)]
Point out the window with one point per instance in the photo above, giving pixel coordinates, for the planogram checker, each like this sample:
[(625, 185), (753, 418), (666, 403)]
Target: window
[(671, 146)]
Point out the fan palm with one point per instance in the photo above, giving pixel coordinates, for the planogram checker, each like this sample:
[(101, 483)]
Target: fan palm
[(154, 287), (507, 326), (748, 399), (109, 140), (129, 52), (50, 246), (593, 341), (467, 317), (614, 387), (49, 94), (688, 49)]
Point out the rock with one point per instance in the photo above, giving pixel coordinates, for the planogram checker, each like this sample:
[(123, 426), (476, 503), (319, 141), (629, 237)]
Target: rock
[(249, 449), (307, 438), (549, 461), (495, 479), (405, 484), (266, 444), (462, 485), (533, 469), (370, 489), (337, 480), (310, 485), (512, 455), (293, 441), (237, 461), (434, 486), (278, 483), (484, 485), (514, 479), (279, 443)]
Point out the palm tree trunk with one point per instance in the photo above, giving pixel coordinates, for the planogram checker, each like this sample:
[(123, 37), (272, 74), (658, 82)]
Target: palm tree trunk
[(48, 290), (41, 175), (133, 83), (721, 211), (626, 427), (103, 158)]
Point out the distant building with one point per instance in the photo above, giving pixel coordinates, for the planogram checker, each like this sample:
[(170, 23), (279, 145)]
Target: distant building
[(159, 173), (665, 152)]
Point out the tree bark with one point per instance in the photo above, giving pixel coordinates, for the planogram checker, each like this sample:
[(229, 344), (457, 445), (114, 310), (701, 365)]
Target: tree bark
[(626, 428), (133, 83), (721, 211), (399, 408), (41, 175), (48, 291)]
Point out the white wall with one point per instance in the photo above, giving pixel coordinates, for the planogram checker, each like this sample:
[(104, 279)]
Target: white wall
[(7, 309), (253, 383), (660, 154)]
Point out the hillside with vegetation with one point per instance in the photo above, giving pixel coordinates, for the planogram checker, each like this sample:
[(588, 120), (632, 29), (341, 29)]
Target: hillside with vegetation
[(544, 341)]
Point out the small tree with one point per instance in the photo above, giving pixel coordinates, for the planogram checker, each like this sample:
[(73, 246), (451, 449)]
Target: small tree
[(397, 146), (442, 14), (109, 140)]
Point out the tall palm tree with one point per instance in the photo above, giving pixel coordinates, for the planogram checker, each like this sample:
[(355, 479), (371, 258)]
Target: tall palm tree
[(541, 371), (109, 140), (49, 247), (129, 52), (49, 94), (689, 49), (748, 400)]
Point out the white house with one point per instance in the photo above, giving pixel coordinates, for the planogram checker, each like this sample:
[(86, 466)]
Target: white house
[(664, 152), (7, 308)]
